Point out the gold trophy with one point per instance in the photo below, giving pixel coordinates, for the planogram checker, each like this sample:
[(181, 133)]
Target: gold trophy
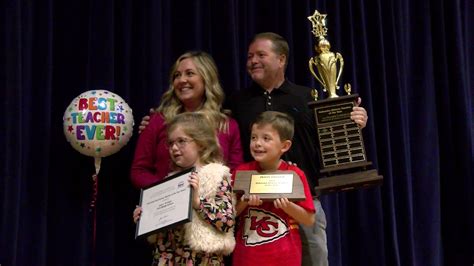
[(344, 164)]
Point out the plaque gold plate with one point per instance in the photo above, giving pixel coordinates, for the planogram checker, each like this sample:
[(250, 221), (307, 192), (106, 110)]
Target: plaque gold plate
[(270, 185)]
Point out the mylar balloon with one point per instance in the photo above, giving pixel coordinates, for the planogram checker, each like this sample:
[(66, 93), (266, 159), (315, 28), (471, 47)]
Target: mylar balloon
[(98, 123)]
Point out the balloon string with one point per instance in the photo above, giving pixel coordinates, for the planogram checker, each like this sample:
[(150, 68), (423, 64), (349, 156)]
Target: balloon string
[(97, 161), (93, 209)]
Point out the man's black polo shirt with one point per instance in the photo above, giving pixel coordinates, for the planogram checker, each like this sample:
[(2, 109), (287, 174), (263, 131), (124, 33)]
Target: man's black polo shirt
[(289, 98)]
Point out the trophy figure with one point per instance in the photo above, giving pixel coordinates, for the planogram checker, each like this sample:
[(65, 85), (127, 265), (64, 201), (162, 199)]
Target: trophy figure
[(342, 152), (326, 64)]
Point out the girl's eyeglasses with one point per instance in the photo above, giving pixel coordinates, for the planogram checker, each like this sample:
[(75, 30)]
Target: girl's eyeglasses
[(180, 142)]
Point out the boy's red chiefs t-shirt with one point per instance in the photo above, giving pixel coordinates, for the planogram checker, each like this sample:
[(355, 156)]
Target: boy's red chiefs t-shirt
[(267, 235)]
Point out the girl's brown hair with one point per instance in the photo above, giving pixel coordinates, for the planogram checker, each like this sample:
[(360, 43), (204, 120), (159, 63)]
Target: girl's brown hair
[(196, 125)]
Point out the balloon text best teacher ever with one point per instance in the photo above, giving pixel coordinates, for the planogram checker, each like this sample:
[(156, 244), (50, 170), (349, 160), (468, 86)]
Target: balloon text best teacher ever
[(98, 123)]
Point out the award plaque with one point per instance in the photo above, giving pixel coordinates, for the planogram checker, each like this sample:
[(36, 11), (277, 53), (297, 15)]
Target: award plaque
[(165, 204), (270, 185), (344, 164)]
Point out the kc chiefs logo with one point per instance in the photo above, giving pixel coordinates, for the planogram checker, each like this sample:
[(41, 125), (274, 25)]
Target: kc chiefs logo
[(263, 227)]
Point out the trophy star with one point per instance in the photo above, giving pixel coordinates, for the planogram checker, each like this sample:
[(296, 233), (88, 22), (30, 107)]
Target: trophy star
[(319, 24), (317, 19)]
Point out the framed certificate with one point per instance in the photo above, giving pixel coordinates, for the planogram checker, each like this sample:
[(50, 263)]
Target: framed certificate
[(165, 204)]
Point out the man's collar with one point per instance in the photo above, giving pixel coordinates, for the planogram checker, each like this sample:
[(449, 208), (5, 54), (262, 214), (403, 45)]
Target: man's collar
[(284, 87)]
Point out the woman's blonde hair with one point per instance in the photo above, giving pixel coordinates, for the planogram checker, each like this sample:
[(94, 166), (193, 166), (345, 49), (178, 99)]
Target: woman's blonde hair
[(213, 94), (197, 126)]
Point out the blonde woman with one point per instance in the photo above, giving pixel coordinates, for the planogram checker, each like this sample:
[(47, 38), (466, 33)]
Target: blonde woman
[(194, 86)]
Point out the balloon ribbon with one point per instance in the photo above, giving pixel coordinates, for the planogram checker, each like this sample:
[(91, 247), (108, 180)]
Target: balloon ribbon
[(93, 209)]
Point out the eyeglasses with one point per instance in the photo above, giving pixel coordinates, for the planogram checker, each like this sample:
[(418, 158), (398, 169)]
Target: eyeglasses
[(180, 142)]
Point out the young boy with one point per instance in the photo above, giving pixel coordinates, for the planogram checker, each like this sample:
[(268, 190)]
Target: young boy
[(267, 232)]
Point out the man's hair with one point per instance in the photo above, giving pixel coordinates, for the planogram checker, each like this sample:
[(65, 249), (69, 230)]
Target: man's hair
[(281, 122), (280, 45), (213, 93), (197, 126)]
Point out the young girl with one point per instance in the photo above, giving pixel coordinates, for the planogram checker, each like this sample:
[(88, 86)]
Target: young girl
[(209, 236)]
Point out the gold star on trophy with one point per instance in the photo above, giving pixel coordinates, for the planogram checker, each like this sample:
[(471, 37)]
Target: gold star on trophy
[(319, 24)]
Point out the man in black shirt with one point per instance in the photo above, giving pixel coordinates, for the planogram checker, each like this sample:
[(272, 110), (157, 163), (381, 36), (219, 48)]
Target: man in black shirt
[(267, 59)]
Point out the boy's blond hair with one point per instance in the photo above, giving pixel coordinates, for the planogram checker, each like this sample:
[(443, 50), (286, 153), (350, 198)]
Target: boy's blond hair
[(281, 122)]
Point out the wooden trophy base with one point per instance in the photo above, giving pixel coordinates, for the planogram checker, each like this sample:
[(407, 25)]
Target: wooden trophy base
[(341, 145), (350, 181)]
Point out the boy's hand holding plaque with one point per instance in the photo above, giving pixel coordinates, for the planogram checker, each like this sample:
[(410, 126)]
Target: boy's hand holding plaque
[(270, 185)]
